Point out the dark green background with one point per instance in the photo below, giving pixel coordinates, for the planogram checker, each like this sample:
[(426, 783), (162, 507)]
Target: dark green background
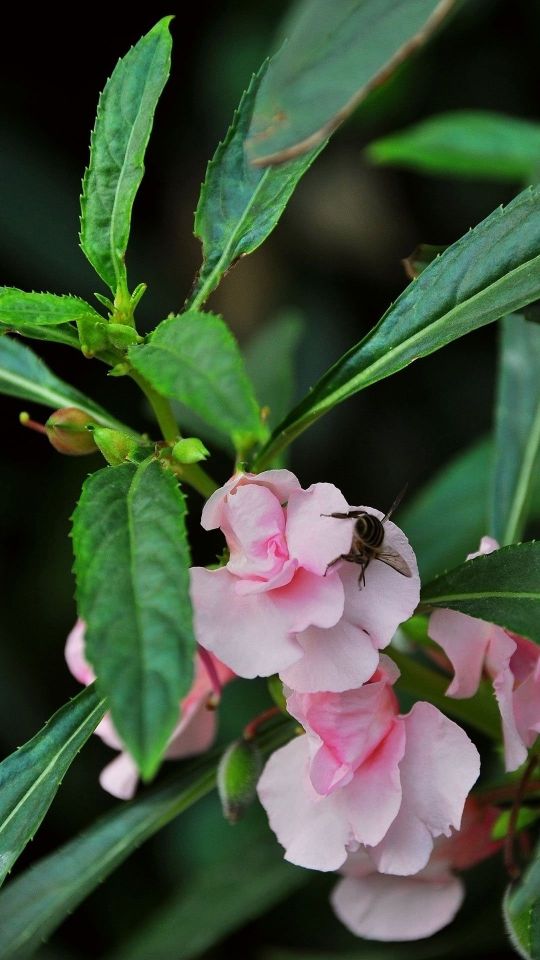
[(335, 257)]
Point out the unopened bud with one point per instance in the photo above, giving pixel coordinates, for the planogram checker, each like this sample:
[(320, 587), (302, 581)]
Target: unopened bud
[(238, 773), (67, 431), (115, 446), (190, 450)]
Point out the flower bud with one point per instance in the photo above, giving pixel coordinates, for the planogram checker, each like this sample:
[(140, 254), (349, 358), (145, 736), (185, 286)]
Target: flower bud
[(190, 450), (66, 430), (238, 772), (115, 446)]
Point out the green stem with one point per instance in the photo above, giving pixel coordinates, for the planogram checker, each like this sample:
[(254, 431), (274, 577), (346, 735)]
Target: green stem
[(191, 473), (479, 711)]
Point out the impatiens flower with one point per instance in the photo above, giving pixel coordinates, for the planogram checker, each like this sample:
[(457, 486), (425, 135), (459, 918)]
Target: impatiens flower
[(194, 732), (476, 648), (386, 907), (364, 775), (280, 604)]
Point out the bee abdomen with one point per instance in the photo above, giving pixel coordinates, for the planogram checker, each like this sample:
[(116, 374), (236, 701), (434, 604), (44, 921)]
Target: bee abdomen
[(370, 530)]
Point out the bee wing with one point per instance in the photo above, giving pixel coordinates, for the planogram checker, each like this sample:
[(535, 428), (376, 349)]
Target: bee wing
[(394, 559)]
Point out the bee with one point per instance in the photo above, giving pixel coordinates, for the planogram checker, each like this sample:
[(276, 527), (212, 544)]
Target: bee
[(368, 542)]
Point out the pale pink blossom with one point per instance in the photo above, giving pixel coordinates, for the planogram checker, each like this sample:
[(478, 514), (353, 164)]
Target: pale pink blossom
[(475, 649), (364, 775), (193, 734), (279, 605), (386, 907)]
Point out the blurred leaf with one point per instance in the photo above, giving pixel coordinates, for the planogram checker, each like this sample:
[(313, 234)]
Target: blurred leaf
[(123, 126), (501, 587), (517, 430), (521, 910), (270, 362), (239, 206), (526, 816), (132, 568), (24, 375), (488, 273), (19, 309), (30, 777), (194, 358), (216, 900), (466, 143), (446, 520), (34, 904), (333, 56)]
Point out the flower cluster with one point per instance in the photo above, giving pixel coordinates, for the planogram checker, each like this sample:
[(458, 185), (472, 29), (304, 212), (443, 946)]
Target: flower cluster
[(366, 789)]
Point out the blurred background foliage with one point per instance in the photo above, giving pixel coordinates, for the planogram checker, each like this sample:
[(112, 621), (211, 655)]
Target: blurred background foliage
[(334, 261)]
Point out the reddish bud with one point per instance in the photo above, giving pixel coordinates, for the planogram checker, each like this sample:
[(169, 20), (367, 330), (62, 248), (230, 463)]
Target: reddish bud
[(66, 430)]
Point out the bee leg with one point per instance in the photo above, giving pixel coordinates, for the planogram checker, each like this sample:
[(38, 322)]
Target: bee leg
[(351, 557), (352, 514)]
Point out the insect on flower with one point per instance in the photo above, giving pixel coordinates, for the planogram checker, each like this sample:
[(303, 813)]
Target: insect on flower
[(368, 542)]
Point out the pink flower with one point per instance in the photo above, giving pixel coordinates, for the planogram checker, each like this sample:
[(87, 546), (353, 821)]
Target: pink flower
[(278, 606), (193, 734), (386, 907), (364, 775), (474, 648)]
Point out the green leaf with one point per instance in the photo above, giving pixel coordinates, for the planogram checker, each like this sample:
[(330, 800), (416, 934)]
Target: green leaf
[(239, 206), (34, 904), (24, 375), (446, 520), (490, 272), (30, 777), (240, 888), (525, 817), (270, 363), (501, 587), (19, 309), (132, 569), (465, 143), (332, 58), (517, 432), (194, 358), (65, 333), (521, 910), (123, 125)]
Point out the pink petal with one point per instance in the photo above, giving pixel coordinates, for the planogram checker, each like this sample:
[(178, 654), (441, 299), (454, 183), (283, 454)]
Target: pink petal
[(253, 522), (388, 908), (195, 733), (74, 654), (334, 659), (438, 769), (251, 634), (374, 796), (465, 642), (107, 732), (515, 751), (348, 726), (315, 540), (487, 545), (280, 482), (120, 777), (313, 829), (388, 598)]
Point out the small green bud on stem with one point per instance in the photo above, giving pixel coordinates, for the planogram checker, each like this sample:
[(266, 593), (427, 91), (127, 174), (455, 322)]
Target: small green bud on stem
[(189, 450), (238, 773), (115, 446)]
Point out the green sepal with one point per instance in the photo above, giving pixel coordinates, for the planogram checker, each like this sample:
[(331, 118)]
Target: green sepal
[(117, 447), (237, 777), (189, 450), (92, 336), (275, 689)]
